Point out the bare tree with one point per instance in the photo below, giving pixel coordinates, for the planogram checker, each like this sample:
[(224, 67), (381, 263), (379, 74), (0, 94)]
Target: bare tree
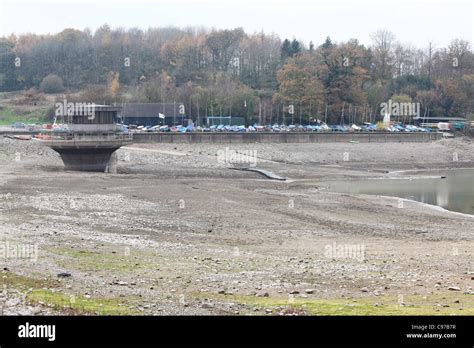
[(383, 41)]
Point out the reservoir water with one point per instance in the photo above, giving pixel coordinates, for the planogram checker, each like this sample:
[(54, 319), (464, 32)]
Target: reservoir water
[(454, 192)]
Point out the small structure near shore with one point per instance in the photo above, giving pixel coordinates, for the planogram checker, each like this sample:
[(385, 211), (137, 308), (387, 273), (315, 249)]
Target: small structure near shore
[(90, 139)]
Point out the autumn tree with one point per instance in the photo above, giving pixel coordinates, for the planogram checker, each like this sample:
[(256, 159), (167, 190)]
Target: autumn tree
[(222, 46), (113, 84), (343, 70), (52, 84), (299, 84), (195, 65), (382, 48)]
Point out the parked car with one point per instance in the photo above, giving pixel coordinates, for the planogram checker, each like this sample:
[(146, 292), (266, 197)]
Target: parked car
[(399, 127), (356, 128), (369, 127), (18, 125)]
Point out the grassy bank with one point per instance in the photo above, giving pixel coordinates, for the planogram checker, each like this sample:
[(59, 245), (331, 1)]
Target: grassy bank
[(439, 304), (8, 116), (45, 292)]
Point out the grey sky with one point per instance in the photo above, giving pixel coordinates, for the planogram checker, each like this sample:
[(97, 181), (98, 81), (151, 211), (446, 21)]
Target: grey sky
[(412, 21)]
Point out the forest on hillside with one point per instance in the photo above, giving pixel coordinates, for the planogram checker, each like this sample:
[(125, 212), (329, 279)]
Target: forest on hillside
[(231, 72)]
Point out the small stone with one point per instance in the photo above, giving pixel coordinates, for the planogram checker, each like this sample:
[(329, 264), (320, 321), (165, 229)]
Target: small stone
[(294, 292), (64, 275), (309, 291), (454, 288), (207, 305), (364, 289), (262, 294)]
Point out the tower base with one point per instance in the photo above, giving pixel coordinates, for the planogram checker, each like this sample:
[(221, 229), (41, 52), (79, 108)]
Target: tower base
[(91, 160)]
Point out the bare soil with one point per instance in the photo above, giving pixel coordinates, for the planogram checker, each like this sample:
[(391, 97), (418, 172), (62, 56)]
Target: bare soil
[(176, 231)]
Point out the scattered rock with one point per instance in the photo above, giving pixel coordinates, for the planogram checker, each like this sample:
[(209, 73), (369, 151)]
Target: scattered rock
[(454, 288), (64, 275)]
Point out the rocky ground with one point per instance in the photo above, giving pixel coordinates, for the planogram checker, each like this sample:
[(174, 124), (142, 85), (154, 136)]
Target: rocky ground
[(176, 231)]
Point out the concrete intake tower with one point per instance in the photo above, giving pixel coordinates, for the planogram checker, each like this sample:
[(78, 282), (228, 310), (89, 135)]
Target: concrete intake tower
[(91, 137)]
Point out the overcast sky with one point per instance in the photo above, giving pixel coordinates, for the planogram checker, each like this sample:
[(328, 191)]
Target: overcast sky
[(412, 21)]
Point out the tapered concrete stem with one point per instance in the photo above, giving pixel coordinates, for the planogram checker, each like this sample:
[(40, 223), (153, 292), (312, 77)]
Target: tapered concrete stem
[(92, 160)]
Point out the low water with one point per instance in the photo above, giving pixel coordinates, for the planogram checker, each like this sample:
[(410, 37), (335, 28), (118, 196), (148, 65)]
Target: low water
[(455, 192)]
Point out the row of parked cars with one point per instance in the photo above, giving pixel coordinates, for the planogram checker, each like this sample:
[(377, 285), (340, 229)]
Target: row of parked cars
[(321, 127)]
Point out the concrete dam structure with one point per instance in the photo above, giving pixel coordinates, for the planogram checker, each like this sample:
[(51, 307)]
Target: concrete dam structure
[(91, 137)]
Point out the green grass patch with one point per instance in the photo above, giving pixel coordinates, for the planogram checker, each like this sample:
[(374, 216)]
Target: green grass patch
[(105, 260), (78, 304), (38, 291), (386, 305), (19, 282), (9, 116)]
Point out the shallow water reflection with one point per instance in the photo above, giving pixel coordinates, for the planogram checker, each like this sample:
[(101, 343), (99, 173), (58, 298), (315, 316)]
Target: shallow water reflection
[(455, 192)]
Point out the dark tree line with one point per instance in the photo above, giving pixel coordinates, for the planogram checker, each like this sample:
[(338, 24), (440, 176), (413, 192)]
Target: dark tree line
[(233, 72)]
